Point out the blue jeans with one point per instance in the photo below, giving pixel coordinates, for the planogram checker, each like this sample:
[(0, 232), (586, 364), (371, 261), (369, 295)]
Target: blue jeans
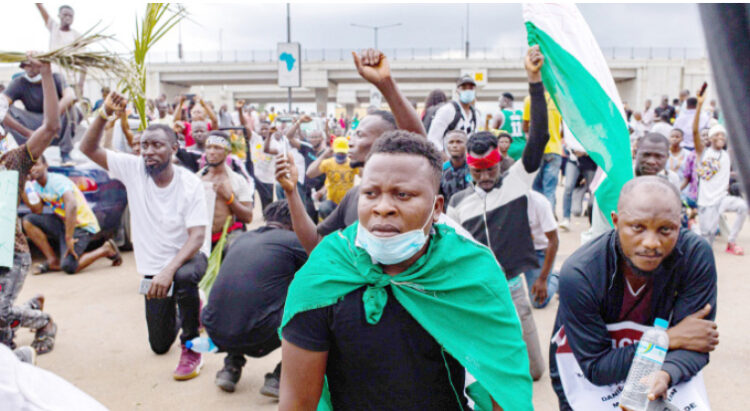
[(572, 171), (546, 180), (531, 277)]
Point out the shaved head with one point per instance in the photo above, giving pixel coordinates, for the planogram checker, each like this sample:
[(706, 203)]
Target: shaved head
[(642, 188)]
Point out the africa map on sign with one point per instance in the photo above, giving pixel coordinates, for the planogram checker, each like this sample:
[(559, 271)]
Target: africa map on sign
[(289, 59)]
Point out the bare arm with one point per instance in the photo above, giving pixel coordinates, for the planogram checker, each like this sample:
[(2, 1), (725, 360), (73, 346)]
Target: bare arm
[(243, 210), (550, 253), (125, 127), (373, 66), (302, 376), (699, 147), (291, 133), (43, 12), (71, 208), (211, 115), (67, 100), (304, 227), (178, 111), (314, 169), (42, 136), (267, 146), (90, 144)]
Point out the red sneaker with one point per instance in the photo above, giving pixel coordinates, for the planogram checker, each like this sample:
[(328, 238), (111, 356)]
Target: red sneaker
[(189, 366), (733, 248)]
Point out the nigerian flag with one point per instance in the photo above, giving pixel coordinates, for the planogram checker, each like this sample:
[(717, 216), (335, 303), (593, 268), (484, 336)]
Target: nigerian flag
[(581, 85)]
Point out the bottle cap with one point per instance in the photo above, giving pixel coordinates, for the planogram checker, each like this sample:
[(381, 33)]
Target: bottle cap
[(661, 323), (189, 344)]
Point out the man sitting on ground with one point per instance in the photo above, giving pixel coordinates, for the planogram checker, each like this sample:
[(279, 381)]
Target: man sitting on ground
[(247, 300), (379, 312), (234, 193), (71, 225), (168, 219), (646, 268)]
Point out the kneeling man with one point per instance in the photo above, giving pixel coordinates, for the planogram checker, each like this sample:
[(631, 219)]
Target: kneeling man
[(615, 286)]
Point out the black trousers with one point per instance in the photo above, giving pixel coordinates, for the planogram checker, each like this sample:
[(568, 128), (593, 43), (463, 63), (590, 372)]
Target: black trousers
[(265, 192), (161, 313)]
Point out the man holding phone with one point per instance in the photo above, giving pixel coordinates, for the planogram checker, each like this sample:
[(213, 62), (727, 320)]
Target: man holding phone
[(168, 217)]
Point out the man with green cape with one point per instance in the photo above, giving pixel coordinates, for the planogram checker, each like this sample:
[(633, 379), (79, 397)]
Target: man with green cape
[(397, 312)]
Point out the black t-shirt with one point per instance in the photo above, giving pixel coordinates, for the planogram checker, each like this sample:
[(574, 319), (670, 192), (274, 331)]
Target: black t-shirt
[(343, 215), (392, 365), (247, 300), (31, 93)]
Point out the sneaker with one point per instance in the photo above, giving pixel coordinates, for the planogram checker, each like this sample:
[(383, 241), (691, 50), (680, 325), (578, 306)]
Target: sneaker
[(733, 248), (270, 387), (26, 354), (565, 224), (189, 366), (227, 377)]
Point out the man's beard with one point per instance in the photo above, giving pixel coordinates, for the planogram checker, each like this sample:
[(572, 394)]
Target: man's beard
[(156, 169), (637, 271)]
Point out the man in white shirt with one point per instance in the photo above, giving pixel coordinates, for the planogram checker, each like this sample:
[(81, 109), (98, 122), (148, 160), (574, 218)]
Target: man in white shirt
[(648, 114), (455, 115), (684, 122), (263, 163), (662, 126), (168, 218), (542, 286)]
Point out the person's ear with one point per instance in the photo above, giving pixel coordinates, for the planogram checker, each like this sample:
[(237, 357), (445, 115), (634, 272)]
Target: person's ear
[(439, 203), (614, 219)]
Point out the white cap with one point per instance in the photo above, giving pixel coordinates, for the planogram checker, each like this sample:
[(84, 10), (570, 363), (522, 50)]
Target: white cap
[(716, 130)]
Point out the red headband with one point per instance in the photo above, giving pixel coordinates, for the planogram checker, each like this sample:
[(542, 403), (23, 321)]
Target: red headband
[(487, 161)]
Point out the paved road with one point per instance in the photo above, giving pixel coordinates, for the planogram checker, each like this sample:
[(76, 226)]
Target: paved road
[(102, 344)]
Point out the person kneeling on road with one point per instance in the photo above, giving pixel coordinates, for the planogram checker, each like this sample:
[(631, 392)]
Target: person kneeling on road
[(246, 302), (72, 225), (615, 286)]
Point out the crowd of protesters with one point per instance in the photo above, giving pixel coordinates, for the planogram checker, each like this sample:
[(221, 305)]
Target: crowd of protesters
[(361, 216)]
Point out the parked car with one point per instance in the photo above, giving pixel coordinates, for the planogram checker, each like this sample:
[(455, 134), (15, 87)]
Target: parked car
[(106, 196)]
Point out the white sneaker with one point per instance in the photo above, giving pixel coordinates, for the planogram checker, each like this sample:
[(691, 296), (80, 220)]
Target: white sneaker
[(565, 224)]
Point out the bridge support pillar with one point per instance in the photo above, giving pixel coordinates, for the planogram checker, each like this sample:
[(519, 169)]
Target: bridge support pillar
[(321, 100)]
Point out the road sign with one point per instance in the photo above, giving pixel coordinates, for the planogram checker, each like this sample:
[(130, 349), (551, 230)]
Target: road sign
[(479, 75), (290, 71)]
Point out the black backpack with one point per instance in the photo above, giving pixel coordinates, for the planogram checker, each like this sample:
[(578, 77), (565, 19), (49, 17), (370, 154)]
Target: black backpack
[(430, 114)]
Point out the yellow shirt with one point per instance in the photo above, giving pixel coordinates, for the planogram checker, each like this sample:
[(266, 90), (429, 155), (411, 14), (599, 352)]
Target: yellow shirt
[(339, 178), (554, 121)]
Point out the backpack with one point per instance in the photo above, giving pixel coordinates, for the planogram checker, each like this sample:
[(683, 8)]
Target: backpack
[(429, 115)]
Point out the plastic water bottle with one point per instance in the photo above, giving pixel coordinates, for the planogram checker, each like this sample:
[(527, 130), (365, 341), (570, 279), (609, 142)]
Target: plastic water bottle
[(31, 194), (201, 344), (649, 357)]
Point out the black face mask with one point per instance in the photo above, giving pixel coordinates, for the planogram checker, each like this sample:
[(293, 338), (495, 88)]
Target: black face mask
[(637, 271)]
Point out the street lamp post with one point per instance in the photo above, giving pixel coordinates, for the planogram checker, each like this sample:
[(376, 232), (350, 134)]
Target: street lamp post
[(375, 29)]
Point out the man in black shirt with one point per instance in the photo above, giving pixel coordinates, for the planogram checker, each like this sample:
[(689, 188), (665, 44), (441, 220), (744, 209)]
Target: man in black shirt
[(378, 348), (246, 301), (22, 122)]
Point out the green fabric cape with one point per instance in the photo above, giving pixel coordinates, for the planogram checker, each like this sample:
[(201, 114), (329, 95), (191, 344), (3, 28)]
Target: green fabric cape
[(456, 291)]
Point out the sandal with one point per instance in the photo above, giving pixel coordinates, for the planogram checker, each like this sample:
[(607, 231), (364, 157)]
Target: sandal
[(44, 340), (42, 268), (117, 258)]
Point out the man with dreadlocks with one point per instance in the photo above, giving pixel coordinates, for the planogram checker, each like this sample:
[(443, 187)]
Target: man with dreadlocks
[(234, 193)]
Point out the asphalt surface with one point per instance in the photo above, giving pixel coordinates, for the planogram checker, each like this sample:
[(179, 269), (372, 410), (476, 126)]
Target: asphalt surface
[(102, 345)]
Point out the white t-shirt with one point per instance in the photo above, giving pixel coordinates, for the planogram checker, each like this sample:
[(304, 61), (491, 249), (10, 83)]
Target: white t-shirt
[(541, 219), (263, 163), (159, 217), (299, 160), (59, 38), (713, 174)]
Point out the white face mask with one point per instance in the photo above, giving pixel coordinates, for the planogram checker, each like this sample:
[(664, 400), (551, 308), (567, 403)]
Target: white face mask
[(34, 79), (393, 250)]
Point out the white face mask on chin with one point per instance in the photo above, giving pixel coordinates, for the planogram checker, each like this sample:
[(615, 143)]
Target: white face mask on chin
[(34, 79)]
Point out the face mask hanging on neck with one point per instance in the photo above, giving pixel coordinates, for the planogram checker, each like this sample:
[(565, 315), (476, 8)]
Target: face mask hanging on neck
[(34, 79), (393, 250)]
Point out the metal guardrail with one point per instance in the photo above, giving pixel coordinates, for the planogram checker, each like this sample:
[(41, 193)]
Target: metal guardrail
[(424, 53)]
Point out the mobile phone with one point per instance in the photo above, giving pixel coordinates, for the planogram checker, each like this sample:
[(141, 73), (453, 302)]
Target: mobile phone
[(190, 96), (284, 142), (146, 285), (703, 88)]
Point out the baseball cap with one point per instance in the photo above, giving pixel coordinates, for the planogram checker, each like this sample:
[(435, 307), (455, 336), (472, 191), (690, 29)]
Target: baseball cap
[(340, 145), (465, 79)]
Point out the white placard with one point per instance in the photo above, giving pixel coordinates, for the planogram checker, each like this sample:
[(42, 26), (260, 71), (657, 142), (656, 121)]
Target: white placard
[(290, 73)]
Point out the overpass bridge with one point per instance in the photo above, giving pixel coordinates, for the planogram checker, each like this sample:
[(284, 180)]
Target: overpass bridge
[(329, 76)]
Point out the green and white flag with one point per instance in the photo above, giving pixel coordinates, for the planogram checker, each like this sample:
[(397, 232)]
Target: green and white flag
[(577, 77)]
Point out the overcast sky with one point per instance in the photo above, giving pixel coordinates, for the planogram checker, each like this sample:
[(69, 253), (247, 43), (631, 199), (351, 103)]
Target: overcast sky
[(261, 26)]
